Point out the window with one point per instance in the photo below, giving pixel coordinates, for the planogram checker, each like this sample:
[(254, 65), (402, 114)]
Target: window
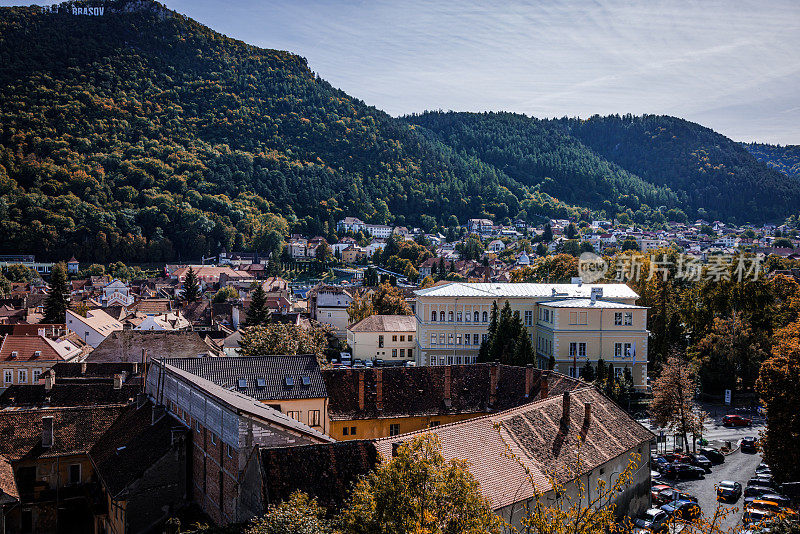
[(441, 339), (402, 353), (197, 426), (581, 349), (466, 339), (394, 429), (483, 337), (352, 431), (528, 317), (466, 317), (449, 339), (459, 317), (546, 315), (618, 371), (410, 351), (476, 316), (293, 414), (573, 317), (617, 318), (449, 360), (74, 474), (394, 353), (433, 339), (8, 376), (242, 383), (22, 376), (628, 350), (450, 317), (433, 316), (583, 317), (313, 417), (13, 354), (475, 339), (441, 316), (380, 341), (628, 318), (394, 338), (485, 317), (229, 449), (617, 350), (435, 423), (458, 360), (261, 382), (458, 339), (403, 338), (410, 337), (213, 439), (573, 349), (345, 431)]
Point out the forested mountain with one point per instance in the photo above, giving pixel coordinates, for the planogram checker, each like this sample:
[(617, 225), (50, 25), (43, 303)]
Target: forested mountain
[(632, 163), (785, 159), (142, 135)]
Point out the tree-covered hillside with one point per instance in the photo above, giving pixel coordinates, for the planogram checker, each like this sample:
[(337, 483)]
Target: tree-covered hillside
[(785, 159), (141, 135), (623, 163)]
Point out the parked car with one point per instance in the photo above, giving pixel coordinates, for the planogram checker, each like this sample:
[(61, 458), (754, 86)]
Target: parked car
[(749, 444), (752, 492), (782, 500), (653, 520), (736, 420), (672, 495), (378, 363), (762, 481), (674, 457), (712, 454), (659, 463), (686, 510), (655, 492), (753, 516), (729, 491), (699, 460), (763, 468), (683, 471), (769, 505)]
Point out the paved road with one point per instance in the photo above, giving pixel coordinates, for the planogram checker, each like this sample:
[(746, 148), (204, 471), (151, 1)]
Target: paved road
[(738, 467)]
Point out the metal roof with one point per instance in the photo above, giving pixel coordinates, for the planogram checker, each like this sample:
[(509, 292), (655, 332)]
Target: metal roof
[(587, 303), (526, 290), (273, 370)]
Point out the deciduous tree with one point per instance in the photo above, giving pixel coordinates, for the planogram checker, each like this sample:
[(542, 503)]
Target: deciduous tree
[(673, 391)]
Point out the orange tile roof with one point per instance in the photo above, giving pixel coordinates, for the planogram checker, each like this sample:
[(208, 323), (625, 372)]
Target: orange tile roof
[(26, 349)]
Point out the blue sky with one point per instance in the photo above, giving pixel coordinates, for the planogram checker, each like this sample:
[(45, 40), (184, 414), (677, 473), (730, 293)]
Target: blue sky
[(731, 65)]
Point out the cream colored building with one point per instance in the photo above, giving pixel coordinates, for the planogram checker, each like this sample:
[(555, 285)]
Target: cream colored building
[(453, 319), (384, 337)]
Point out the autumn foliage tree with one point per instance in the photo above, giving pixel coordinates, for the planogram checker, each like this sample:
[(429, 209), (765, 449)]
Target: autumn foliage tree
[(280, 338), (418, 491), (673, 391), (778, 388), (387, 300)]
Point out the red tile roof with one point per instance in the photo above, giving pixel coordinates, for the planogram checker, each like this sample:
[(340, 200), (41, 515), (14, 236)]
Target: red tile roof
[(25, 348)]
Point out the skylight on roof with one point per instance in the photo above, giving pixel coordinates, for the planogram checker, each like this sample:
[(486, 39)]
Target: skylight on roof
[(306, 380), (289, 381), (242, 383), (261, 382)]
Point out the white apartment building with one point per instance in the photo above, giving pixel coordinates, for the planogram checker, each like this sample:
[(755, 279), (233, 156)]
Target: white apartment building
[(94, 328), (381, 231), (383, 337), (453, 321)]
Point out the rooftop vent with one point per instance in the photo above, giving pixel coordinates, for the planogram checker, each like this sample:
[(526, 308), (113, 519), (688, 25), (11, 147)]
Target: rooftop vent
[(242, 383), (261, 382), (306, 380), (289, 381)]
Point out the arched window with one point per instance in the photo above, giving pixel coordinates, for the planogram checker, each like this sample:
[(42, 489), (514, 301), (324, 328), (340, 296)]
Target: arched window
[(450, 316), (441, 316), (477, 316), (485, 317), (433, 316)]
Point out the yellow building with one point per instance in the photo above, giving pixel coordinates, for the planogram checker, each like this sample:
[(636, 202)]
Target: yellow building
[(353, 254), (383, 337), (453, 320)]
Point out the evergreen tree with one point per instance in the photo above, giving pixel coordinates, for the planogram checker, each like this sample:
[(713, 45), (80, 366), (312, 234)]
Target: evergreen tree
[(55, 307), (258, 312), (191, 287), (547, 235), (601, 370), (588, 372)]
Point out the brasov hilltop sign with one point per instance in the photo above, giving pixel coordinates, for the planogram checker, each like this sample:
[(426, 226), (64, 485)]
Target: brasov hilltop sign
[(92, 11)]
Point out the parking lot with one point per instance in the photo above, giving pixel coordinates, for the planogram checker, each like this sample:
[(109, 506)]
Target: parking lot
[(738, 467)]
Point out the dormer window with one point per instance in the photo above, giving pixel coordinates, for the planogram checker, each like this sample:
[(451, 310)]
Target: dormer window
[(37, 354), (242, 383), (14, 354)]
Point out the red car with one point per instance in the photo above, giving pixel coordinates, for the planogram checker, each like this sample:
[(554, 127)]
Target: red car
[(655, 492), (736, 420)]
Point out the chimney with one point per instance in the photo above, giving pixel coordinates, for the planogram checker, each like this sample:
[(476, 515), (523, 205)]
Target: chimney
[(565, 412), (493, 368), (587, 411), (379, 389), (528, 379), (118, 381), (84, 365), (49, 379), (47, 431), (544, 388), (360, 389), (448, 381), (596, 293), (159, 411)]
